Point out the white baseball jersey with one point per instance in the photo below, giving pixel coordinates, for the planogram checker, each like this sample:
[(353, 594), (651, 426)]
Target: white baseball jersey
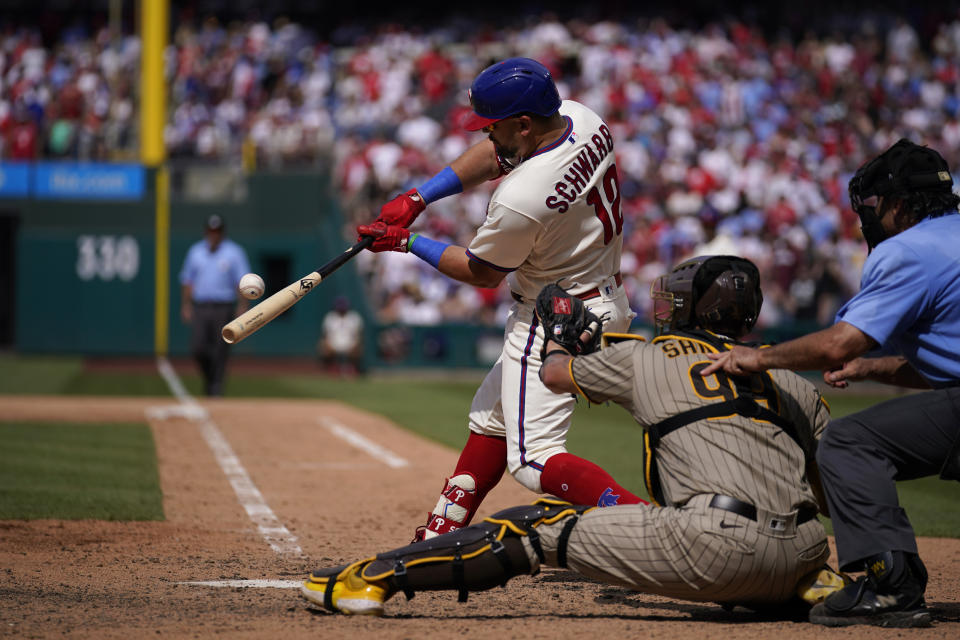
[(343, 330), (557, 217)]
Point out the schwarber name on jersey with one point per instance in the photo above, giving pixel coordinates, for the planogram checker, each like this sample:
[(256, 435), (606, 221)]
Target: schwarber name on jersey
[(557, 215)]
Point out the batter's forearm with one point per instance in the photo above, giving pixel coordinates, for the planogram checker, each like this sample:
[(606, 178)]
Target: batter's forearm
[(477, 164), (454, 263)]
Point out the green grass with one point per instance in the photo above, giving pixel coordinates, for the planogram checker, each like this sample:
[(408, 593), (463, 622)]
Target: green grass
[(37, 374), (436, 407), (78, 471), (105, 383)]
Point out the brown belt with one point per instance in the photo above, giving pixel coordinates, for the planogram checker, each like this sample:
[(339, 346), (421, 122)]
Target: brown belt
[(586, 295)]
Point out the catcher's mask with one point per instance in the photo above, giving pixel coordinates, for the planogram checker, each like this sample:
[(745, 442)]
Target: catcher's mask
[(903, 168), (718, 293)]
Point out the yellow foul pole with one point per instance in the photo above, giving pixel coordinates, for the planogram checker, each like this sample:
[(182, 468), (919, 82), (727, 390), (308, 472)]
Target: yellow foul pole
[(154, 27)]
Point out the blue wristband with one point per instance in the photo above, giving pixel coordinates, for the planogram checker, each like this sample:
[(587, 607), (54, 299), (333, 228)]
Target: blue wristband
[(426, 249), (446, 183)]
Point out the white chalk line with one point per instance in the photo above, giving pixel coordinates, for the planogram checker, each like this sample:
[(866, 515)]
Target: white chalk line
[(247, 584), (366, 445), (250, 498)]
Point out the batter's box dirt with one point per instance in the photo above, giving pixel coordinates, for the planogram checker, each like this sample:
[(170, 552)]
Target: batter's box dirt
[(92, 579)]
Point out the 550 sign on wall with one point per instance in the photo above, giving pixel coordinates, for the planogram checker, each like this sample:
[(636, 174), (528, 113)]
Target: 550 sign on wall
[(107, 258)]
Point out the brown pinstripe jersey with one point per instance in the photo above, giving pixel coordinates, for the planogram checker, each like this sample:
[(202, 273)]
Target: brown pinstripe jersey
[(749, 459)]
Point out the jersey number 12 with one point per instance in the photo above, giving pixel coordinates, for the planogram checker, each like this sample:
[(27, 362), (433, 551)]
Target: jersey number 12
[(607, 204)]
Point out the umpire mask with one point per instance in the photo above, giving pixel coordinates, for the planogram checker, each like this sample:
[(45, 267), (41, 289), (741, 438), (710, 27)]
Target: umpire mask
[(903, 168)]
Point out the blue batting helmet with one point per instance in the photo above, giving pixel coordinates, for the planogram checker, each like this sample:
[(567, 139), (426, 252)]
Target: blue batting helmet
[(504, 89)]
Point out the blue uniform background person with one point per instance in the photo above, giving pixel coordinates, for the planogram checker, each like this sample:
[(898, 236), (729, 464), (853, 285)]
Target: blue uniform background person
[(902, 328), (209, 277)]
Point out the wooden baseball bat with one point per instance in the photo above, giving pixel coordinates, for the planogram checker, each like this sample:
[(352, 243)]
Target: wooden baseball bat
[(251, 320)]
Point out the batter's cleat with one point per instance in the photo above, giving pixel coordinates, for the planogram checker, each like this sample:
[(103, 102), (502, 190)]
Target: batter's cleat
[(343, 589), (889, 595), (454, 509), (420, 532)]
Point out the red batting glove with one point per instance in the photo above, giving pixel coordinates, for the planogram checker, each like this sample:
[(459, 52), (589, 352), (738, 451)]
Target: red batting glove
[(388, 237), (402, 210)]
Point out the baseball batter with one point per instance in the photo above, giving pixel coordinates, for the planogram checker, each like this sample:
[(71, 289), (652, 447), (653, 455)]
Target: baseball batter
[(554, 217), (728, 460)]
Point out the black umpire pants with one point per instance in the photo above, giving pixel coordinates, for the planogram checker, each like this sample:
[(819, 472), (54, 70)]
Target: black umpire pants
[(861, 456), (207, 346)]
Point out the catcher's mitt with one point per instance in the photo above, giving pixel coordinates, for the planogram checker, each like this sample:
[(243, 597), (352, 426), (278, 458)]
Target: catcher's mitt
[(565, 319)]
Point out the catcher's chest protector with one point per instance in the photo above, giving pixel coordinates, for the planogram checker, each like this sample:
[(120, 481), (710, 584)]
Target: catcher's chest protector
[(743, 403)]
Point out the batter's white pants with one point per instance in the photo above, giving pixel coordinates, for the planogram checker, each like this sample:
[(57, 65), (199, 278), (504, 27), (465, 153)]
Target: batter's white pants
[(512, 402)]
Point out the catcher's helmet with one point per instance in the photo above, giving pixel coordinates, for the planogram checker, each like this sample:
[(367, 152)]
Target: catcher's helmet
[(718, 293), (508, 88), (903, 168)]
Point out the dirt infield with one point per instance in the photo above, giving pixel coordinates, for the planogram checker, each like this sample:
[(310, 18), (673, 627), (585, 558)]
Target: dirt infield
[(338, 499)]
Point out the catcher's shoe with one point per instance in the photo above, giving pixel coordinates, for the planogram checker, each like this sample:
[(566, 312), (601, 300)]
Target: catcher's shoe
[(817, 585), (889, 595), (345, 590)]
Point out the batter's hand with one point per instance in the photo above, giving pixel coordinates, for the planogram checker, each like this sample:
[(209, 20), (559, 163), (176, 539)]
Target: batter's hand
[(402, 210), (739, 361), (386, 237)]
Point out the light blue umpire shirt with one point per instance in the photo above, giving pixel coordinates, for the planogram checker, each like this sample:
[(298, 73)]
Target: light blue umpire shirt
[(909, 298), (214, 276)]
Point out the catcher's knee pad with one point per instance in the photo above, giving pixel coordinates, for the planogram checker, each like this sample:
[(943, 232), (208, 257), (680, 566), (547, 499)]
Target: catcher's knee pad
[(475, 558), (523, 521)]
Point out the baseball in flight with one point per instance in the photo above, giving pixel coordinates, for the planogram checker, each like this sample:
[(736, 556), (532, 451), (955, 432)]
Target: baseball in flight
[(251, 286)]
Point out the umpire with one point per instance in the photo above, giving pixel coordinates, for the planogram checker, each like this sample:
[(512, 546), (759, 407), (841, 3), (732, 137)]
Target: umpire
[(209, 277), (908, 306), (728, 460)]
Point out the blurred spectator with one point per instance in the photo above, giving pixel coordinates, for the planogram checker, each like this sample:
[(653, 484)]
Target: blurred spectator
[(728, 135), (340, 347)]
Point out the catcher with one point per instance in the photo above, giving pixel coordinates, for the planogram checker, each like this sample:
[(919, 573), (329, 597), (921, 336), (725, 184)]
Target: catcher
[(728, 462)]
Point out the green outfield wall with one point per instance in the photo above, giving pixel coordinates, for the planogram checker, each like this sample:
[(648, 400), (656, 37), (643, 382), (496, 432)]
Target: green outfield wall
[(83, 271), (82, 275)]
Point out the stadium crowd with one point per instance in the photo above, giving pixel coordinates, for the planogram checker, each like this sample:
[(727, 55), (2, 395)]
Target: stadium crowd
[(730, 139)]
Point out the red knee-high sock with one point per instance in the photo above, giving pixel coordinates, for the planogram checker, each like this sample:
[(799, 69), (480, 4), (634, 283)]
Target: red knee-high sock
[(485, 458), (582, 482)]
